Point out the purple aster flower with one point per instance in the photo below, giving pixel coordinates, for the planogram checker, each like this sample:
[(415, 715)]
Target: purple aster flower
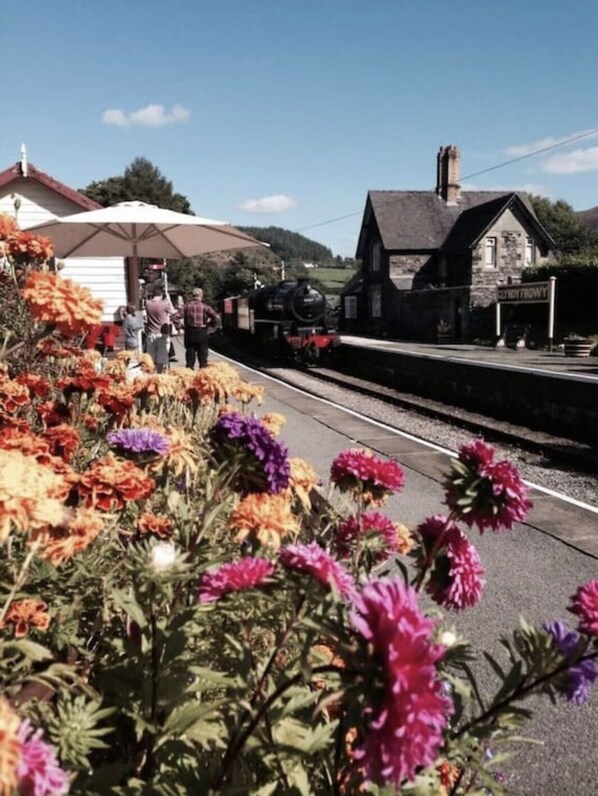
[(266, 466), (581, 675), (139, 440), (39, 772)]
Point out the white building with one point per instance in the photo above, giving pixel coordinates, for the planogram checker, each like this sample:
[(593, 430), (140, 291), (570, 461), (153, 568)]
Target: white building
[(42, 197)]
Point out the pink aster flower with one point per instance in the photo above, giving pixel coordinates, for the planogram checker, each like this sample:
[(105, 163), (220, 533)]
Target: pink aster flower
[(407, 728), (39, 772), (483, 492), (315, 561), (248, 573), (584, 603), (361, 472), (371, 527), (456, 577)]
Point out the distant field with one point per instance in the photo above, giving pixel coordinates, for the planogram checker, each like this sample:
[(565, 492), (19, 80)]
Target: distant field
[(333, 279)]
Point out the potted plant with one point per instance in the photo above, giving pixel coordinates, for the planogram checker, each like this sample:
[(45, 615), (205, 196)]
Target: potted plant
[(444, 332), (577, 346)]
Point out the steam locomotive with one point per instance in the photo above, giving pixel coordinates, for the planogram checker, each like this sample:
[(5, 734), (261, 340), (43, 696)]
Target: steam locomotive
[(288, 321)]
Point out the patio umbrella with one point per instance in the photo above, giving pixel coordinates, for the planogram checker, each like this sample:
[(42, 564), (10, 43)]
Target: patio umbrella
[(137, 229)]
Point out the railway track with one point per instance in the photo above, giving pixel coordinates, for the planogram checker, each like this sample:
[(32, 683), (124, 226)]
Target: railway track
[(558, 462)]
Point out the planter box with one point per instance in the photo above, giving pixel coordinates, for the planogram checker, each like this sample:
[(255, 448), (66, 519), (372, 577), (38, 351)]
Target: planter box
[(578, 348)]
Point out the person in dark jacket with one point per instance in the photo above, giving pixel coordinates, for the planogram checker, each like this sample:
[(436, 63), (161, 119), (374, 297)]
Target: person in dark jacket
[(198, 318)]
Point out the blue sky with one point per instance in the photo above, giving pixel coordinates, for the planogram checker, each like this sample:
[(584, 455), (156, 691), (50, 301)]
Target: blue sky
[(286, 112)]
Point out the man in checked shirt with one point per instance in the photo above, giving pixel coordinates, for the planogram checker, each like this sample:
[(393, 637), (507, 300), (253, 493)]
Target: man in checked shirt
[(198, 318)]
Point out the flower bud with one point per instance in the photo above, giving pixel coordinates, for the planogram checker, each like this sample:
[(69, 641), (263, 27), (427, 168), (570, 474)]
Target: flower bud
[(162, 556)]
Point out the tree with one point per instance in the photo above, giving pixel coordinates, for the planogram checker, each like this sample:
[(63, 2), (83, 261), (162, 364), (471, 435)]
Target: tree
[(142, 181), (559, 219)]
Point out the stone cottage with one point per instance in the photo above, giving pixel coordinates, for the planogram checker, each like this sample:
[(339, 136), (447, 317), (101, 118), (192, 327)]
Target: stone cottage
[(437, 256)]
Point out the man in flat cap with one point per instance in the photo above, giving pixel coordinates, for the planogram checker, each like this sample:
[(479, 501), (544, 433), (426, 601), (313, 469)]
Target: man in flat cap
[(199, 318)]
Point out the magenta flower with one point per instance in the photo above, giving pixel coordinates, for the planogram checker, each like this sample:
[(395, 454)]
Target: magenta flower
[(373, 527), (483, 492), (315, 561), (584, 603), (411, 715), (248, 573), (362, 472), (456, 576), (39, 772)]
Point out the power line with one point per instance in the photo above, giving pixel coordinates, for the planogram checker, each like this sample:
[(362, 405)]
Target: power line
[(569, 140)]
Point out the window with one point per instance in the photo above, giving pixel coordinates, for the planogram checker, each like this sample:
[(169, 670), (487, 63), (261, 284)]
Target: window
[(376, 303), (530, 251), (350, 307), (376, 248), (490, 258)]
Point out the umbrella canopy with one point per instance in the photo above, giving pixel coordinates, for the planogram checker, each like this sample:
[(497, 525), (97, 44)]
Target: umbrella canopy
[(137, 229)]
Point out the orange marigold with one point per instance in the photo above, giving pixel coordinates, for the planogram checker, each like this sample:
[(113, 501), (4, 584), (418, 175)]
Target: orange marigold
[(264, 518), (302, 480), (155, 386), (404, 538), (10, 748), (63, 441), (158, 526), (182, 456), (117, 400), (61, 302), (25, 614), (109, 483), (12, 395), (214, 383), (25, 441), (8, 226), (29, 494), (60, 544), (245, 392), (38, 386), (274, 422)]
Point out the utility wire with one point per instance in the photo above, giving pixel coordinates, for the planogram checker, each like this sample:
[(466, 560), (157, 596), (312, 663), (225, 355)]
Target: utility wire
[(570, 140)]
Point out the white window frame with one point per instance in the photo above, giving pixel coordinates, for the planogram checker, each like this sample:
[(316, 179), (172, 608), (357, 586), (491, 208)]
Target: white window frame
[(376, 256), (530, 251), (490, 258), (350, 303)]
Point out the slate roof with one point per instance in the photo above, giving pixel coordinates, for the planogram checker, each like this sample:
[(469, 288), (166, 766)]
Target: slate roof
[(33, 173), (422, 221)]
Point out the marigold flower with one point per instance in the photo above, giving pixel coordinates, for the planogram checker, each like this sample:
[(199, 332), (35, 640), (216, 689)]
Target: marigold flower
[(265, 465), (68, 306), (317, 562), (456, 576), (63, 441), (584, 603), (38, 386), (577, 681), (181, 456), (245, 392), (53, 413), (157, 526), (28, 494), (302, 480), (380, 536), (411, 715), (61, 543), (248, 573), (483, 492), (109, 483), (13, 395), (264, 518), (117, 400), (10, 748), (366, 475), (155, 386), (212, 384), (39, 771), (8, 226), (25, 441), (26, 247), (274, 422), (25, 614)]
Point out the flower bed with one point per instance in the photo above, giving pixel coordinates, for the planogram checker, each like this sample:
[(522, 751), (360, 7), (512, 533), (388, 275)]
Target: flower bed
[(177, 616)]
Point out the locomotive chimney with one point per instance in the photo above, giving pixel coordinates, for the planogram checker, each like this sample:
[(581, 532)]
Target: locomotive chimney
[(448, 174)]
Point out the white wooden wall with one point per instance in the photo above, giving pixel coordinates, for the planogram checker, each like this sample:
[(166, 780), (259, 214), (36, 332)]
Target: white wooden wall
[(104, 276)]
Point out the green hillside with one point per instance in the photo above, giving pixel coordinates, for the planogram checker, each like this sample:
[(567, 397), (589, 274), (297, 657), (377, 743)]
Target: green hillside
[(290, 246)]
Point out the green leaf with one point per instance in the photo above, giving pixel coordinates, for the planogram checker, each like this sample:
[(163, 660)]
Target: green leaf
[(130, 606), (30, 649)]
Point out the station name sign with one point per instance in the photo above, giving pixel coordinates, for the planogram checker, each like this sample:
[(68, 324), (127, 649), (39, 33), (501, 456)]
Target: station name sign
[(530, 293)]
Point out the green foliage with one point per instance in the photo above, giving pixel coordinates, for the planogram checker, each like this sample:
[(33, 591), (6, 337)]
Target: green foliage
[(561, 222), (290, 246), (142, 182)]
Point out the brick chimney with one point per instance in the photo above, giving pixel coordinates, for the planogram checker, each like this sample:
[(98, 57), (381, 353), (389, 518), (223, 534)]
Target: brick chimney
[(448, 174)]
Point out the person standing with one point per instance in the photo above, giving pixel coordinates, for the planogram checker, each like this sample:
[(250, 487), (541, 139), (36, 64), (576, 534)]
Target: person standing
[(131, 327), (198, 319), (159, 312)]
